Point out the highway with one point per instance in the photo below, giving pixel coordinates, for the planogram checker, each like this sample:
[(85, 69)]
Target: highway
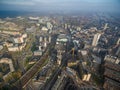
[(52, 79), (30, 73), (50, 83)]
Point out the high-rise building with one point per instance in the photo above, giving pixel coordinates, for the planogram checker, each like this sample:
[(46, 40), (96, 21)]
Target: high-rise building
[(96, 39), (41, 39), (111, 74), (118, 51), (118, 41), (49, 39)]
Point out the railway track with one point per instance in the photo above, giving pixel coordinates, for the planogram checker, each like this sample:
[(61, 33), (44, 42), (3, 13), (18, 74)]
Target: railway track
[(30, 73)]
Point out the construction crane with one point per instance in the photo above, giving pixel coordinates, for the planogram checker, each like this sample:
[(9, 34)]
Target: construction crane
[(72, 50)]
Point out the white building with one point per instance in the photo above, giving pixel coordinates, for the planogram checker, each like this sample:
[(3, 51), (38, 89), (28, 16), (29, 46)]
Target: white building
[(40, 39), (49, 39), (31, 29), (62, 38), (96, 39), (86, 77), (45, 44), (49, 25), (112, 59), (34, 18), (1, 47), (18, 40), (44, 29), (16, 48), (24, 35), (118, 41)]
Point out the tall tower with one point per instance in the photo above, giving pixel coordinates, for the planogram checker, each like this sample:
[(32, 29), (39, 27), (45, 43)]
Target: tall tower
[(96, 39), (49, 39), (45, 39), (41, 39)]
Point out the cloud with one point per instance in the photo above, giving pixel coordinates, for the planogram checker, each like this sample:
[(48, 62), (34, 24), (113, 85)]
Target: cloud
[(17, 2), (52, 2)]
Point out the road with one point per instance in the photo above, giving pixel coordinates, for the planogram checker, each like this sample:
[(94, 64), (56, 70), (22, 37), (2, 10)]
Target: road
[(19, 85), (52, 80), (50, 83)]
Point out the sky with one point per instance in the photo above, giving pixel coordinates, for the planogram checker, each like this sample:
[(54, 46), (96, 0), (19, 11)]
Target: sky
[(61, 5)]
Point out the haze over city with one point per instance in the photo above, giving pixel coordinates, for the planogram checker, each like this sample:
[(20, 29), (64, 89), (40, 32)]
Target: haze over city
[(59, 45), (61, 5)]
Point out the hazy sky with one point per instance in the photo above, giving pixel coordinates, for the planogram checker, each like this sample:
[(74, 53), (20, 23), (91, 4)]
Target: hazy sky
[(61, 5)]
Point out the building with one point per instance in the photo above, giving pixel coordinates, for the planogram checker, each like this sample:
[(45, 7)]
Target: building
[(10, 32), (112, 59), (1, 47), (18, 43), (86, 77), (106, 26), (118, 41), (16, 47), (31, 29), (62, 38), (112, 73), (44, 29), (44, 40), (41, 39), (49, 25), (111, 84), (8, 61), (34, 18), (118, 51), (96, 39), (37, 53)]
